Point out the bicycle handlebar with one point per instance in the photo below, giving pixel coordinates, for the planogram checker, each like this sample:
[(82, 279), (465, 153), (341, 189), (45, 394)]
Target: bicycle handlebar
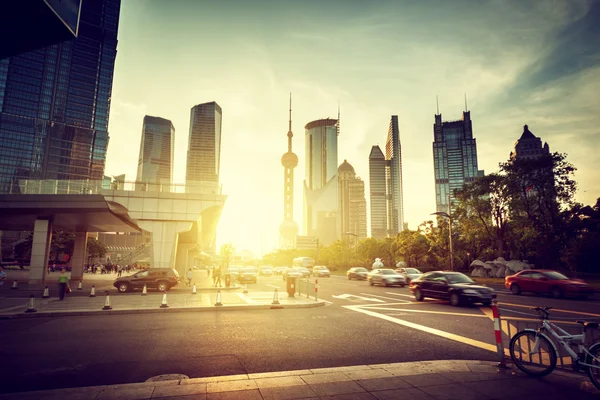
[(543, 311)]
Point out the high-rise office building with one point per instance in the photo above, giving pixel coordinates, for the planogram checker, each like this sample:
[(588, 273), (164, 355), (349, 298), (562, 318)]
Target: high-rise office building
[(352, 207), (155, 163), (454, 158), (393, 155), (321, 182), (55, 102), (378, 193), (204, 144), (288, 228), (529, 146)]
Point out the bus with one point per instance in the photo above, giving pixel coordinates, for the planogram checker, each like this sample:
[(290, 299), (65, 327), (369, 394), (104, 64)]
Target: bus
[(305, 262)]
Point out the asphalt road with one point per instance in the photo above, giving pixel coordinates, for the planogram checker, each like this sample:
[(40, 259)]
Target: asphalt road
[(360, 325)]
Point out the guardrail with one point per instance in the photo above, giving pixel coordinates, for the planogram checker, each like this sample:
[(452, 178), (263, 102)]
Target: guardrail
[(306, 288)]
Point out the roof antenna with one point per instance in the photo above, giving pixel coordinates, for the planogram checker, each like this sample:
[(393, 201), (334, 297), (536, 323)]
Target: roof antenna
[(437, 103), (466, 108), (290, 134), (338, 121)]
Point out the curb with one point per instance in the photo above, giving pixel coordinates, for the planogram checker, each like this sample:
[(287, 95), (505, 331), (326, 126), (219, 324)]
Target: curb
[(224, 307)]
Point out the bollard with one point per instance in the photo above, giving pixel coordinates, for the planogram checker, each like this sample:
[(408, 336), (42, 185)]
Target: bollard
[(275, 297), (93, 291), (164, 301), (316, 289), (46, 293), (15, 285), (498, 335), (31, 305), (107, 302), (194, 289), (245, 288), (80, 286), (144, 291), (218, 302)]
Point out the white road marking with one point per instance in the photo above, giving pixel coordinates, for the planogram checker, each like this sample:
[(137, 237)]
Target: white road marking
[(13, 308), (273, 286), (423, 328), (400, 294), (348, 297), (427, 312), (381, 297), (245, 298), (330, 302)]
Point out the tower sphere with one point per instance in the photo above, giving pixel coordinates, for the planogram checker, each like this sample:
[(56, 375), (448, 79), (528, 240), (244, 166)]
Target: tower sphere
[(289, 160)]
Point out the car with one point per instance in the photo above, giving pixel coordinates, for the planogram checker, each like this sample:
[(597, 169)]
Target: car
[(162, 279), (279, 270), (248, 274), (357, 273), (293, 272), (454, 286), (265, 271), (409, 273), (547, 281), (385, 277), (233, 273), (321, 271), (304, 271)]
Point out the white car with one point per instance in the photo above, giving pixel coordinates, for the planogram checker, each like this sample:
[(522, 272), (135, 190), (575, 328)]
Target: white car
[(409, 273), (386, 277)]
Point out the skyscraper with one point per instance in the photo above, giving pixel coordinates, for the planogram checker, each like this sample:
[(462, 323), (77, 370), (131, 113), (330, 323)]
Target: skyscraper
[(55, 102), (321, 183), (155, 163), (352, 204), (378, 193), (454, 158), (393, 155), (204, 144), (529, 146), (288, 228)]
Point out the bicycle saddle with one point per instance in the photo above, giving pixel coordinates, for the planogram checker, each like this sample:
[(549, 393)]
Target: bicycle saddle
[(593, 325)]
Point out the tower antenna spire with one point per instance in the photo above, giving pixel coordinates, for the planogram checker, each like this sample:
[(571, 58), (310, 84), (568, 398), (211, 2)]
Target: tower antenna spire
[(437, 103), (338, 120), (290, 134), (466, 108)]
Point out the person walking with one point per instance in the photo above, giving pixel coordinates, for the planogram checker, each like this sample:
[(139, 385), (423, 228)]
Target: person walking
[(217, 276), (189, 277), (2, 276), (63, 283), (119, 271)]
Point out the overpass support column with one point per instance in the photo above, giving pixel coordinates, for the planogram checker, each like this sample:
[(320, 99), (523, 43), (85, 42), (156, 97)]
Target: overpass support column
[(79, 256), (40, 251), (164, 240)]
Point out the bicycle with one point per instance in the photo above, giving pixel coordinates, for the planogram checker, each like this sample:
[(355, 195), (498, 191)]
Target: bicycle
[(541, 352)]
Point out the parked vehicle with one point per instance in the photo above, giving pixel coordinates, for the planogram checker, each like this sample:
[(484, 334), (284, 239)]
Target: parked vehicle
[(385, 277), (409, 273), (294, 272), (321, 271), (547, 281), (306, 262), (453, 286), (265, 271), (357, 273), (154, 278), (305, 272), (248, 274), (233, 273), (279, 270)]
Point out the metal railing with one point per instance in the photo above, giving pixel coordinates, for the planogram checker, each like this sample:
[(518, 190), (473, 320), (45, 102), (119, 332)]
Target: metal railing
[(306, 288)]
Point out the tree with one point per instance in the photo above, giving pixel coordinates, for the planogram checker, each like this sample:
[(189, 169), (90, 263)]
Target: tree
[(226, 252), (95, 248), (413, 246)]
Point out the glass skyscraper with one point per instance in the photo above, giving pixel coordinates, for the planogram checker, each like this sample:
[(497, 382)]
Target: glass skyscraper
[(204, 144), (393, 155), (55, 103), (155, 163), (454, 158)]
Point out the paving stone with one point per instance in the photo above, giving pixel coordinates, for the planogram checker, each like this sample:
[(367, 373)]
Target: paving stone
[(452, 391), (238, 395), (490, 369), (132, 393), (279, 381), (473, 376), (279, 373), (340, 369), (287, 393), (394, 382), (180, 390), (368, 374), (188, 397), (335, 388), (426, 380), (498, 389), (408, 393), (82, 393), (209, 379), (415, 369), (230, 386), (324, 378), (352, 396)]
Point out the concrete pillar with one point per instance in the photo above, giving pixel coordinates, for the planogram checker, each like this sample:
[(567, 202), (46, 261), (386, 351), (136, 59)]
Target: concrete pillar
[(79, 257), (40, 251), (164, 240), (181, 261)]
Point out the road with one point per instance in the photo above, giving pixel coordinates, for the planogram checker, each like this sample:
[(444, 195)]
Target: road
[(360, 325)]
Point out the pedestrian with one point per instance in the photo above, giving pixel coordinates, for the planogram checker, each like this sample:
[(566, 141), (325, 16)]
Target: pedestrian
[(63, 284), (2, 276), (119, 271), (189, 277), (217, 276)]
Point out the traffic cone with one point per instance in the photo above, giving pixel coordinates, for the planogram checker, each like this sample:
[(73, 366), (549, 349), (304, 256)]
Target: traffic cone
[(93, 292), (194, 289), (15, 285), (144, 291), (164, 301), (245, 288), (275, 297), (107, 302), (218, 303), (46, 293), (31, 305), (80, 286)]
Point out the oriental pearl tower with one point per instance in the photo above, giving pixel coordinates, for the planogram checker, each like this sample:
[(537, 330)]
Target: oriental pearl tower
[(288, 228)]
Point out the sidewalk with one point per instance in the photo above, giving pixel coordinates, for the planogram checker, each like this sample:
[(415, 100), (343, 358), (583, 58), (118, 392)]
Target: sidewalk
[(151, 303), (426, 380)]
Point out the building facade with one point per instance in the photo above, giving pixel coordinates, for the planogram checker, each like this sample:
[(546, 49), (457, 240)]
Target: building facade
[(529, 146), (204, 144), (288, 228), (155, 163), (454, 158), (352, 207), (321, 182), (55, 103), (393, 156), (378, 193)]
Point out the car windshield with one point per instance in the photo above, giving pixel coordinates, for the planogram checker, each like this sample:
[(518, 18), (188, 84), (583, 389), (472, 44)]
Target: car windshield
[(458, 278), (412, 271), (388, 272), (360, 270), (555, 276), (248, 270)]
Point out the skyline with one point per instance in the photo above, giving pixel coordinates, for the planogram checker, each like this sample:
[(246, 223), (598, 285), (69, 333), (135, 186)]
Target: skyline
[(376, 60)]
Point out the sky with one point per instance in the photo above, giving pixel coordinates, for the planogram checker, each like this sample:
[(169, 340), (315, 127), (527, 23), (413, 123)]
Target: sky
[(518, 62)]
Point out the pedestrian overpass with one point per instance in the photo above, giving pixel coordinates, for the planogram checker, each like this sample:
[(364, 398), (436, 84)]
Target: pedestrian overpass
[(182, 219)]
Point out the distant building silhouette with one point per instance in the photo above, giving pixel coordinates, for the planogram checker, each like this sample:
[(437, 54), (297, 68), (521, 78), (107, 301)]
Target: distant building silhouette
[(378, 193), (204, 144), (454, 158), (155, 163), (321, 182), (529, 146), (352, 204), (288, 228)]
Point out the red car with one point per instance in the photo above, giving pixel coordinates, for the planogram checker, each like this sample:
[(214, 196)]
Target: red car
[(547, 281)]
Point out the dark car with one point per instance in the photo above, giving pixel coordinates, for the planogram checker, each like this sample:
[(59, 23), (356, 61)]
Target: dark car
[(248, 275), (453, 286), (154, 278), (357, 273), (547, 281)]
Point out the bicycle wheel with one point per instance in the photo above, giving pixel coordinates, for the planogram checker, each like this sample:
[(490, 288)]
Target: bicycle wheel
[(540, 363), (594, 359)]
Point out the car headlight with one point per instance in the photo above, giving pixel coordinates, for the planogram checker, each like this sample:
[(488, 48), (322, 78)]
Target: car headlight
[(470, 291)]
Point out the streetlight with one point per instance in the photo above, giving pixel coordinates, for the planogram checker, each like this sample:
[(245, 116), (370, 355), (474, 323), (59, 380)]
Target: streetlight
[(445, 214)]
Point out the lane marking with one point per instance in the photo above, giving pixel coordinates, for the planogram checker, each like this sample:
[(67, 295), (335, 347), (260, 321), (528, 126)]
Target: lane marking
[(427, 312), (13, 308), (348, 297), (381, 297), (247, 299), (554, 309), (423, 328), (400, 294), (326, 301)]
